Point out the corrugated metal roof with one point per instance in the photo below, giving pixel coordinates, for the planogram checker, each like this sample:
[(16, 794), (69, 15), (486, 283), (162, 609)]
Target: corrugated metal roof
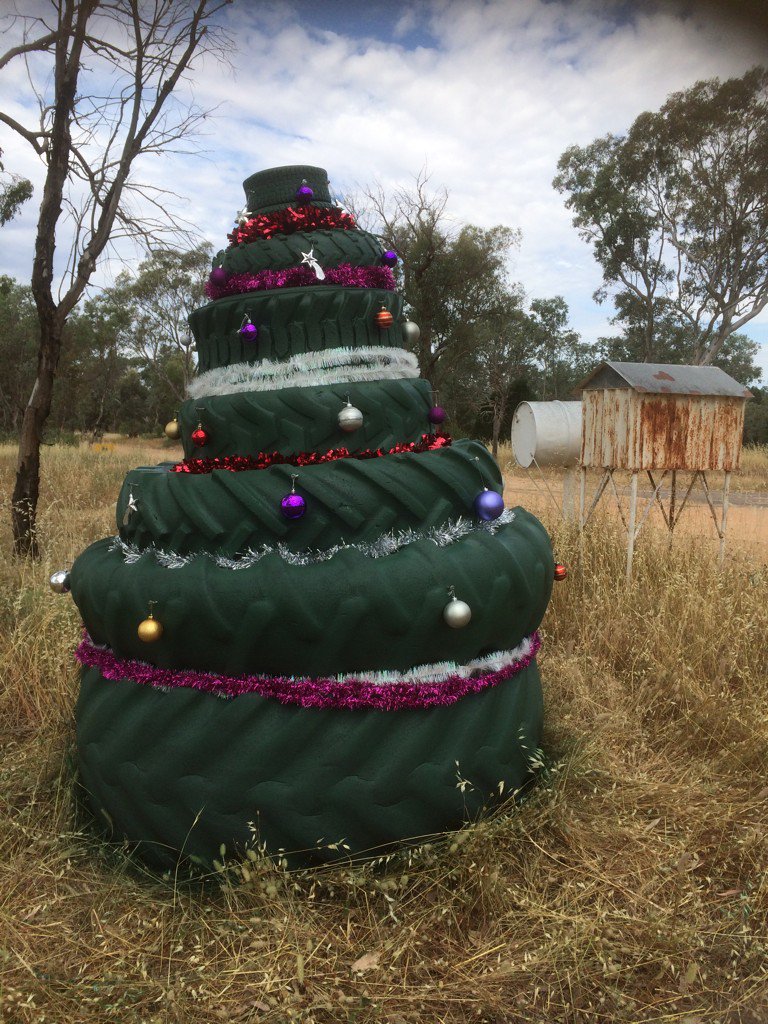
[(664, 378)]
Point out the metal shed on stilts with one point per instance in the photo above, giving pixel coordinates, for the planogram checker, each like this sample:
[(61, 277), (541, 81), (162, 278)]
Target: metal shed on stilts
[(660, 421)]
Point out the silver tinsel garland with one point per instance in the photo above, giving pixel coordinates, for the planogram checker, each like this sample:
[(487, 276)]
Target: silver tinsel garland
[(332, 366), (385, 545)]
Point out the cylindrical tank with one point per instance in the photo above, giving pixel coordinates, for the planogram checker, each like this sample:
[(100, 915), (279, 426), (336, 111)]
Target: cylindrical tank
[(548, 433)]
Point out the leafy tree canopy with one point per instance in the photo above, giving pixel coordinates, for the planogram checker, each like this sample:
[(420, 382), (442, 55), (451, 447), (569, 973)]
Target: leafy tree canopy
[(677, 211), (14, 192)]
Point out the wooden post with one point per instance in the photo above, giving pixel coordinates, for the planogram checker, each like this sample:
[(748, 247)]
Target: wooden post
[(724, 516), (582, 496), (631, 525)]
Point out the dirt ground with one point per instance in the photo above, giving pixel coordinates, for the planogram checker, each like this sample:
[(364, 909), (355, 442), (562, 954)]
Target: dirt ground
[(746, 523)]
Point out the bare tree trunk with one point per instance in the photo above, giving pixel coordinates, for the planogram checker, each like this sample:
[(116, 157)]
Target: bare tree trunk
[(499, 410), (27, 488), (161, 48), (73, 20)]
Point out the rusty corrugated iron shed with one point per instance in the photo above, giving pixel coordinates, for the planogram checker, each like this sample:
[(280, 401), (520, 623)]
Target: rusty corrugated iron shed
[(664, 379)]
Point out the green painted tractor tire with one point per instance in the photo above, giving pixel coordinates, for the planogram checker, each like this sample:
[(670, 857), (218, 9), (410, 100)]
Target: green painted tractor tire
[(183, 772)]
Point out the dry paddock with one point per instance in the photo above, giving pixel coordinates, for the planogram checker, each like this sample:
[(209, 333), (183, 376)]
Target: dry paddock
[(630, 885)]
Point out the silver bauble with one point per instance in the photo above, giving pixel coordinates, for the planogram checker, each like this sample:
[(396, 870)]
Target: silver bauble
[(350, 418), (411, 332), (60, 582), (457, 613)]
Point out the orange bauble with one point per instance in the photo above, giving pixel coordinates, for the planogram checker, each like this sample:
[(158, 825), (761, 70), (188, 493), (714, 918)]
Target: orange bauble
[(560, 571), (384, 318)]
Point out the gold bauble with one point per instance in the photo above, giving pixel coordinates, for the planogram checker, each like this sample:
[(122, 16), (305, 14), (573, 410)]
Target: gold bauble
[(150, 630), (173, 430)]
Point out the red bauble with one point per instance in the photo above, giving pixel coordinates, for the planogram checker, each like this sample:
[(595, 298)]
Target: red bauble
[(560, 571), (384, 318), (199, 437)]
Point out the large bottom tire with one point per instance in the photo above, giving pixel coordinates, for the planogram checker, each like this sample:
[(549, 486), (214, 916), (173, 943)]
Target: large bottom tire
[(183, 772)]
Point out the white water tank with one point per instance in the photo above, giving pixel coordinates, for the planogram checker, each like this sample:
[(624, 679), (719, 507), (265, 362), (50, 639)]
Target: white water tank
[(547, 433)]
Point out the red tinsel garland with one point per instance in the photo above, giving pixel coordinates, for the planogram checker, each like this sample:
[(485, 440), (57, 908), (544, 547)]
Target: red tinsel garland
[(290, 220), (237, 463)]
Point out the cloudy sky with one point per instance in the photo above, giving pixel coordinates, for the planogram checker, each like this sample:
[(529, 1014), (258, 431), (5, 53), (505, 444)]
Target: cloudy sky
[(486, 95)]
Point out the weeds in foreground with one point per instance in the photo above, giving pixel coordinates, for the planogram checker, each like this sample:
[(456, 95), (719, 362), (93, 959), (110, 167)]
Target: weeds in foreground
[(629, 886)]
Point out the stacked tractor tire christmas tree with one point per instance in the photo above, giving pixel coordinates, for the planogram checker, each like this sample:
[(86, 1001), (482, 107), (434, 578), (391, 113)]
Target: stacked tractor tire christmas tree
[(316, 634)]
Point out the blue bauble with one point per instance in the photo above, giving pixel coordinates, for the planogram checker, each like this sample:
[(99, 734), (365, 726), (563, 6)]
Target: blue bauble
[(488, 505)]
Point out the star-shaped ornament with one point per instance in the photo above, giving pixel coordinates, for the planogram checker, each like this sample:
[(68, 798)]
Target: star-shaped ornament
[(242, 216), (129, 509), (310, 260)]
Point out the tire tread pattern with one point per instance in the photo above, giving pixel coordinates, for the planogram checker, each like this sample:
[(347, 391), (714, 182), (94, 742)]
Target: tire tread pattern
[(292, 321), (346, 614), (305, 419), (276, 187), (347, 501), (330, 248), (183, 770)]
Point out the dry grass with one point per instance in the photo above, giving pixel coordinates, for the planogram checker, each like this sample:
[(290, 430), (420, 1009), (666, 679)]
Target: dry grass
[(631, 886), (747, 532)]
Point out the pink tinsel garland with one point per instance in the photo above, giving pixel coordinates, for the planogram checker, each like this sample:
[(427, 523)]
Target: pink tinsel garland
[(351, 693), (299, 277)]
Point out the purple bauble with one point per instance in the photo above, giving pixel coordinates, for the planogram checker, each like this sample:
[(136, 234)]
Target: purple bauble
[(249, 331), (436, 414), (488, 505), (293, 506), (304, 193), (219, 276), (389, 258)]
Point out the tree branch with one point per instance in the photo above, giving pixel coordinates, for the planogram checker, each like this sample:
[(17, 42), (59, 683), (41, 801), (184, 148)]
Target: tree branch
[(44, 43), (25, 133)]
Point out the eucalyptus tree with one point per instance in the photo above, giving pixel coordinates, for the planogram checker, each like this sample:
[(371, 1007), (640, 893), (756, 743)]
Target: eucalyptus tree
[(676, 211), (454, 277)]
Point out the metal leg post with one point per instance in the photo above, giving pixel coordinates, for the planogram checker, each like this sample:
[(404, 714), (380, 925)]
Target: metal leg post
[(631, 525), (724, 516), (672, 498)]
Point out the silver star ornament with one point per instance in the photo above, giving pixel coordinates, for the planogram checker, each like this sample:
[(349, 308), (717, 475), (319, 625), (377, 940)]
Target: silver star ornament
[(129, 508), (310, 260)]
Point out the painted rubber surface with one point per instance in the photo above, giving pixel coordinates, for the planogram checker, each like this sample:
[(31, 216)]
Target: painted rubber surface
[(187, 771), (330, 247), (291, 321), (305, 419), (346, 614), (350, 501), (276, 186)]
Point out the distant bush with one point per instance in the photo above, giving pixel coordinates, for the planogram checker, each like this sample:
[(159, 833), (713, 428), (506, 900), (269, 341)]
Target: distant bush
[(756, 418), (68, 438)]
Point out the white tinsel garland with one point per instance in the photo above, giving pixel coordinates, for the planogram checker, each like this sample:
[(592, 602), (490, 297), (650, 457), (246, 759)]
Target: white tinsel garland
[(334, 366), (384, 545)]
